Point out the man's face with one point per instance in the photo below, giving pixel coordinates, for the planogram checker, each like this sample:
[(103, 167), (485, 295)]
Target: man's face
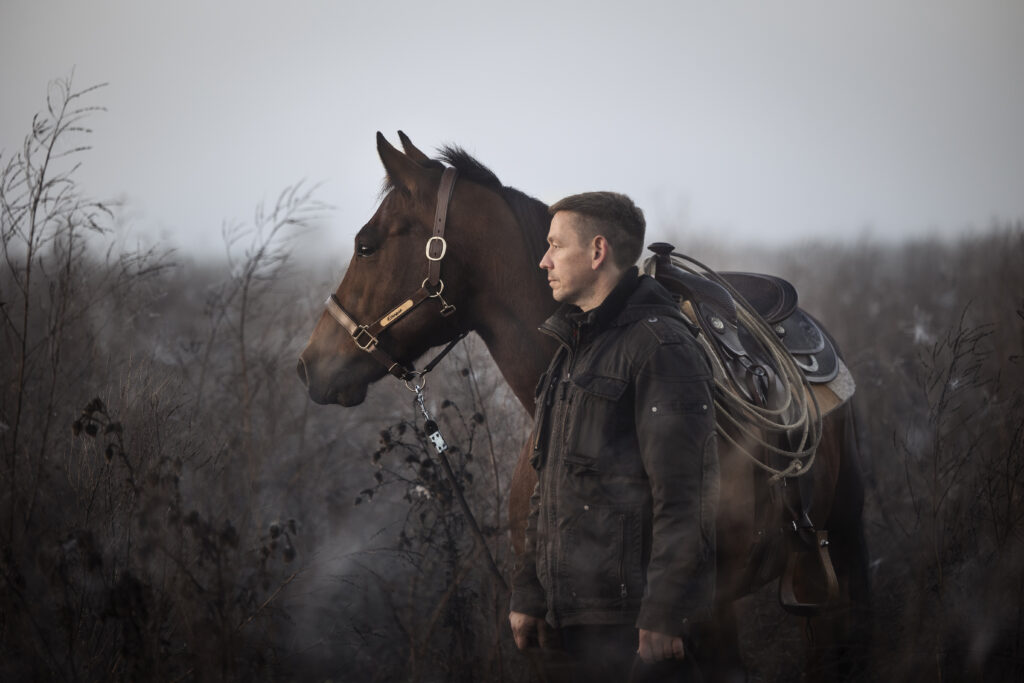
[(568, 260)]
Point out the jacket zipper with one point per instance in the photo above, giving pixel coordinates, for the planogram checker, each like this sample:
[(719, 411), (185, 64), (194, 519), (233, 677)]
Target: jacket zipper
[(622, 555), (553, 547)]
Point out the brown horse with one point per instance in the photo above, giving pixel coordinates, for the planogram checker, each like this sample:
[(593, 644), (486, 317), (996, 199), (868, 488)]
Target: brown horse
[(489, 282)]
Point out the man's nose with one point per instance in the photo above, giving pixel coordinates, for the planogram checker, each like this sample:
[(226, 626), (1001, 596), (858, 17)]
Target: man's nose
[(545, 262)]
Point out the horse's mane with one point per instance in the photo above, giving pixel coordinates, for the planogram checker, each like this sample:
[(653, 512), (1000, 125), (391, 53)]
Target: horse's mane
[(531, 214)]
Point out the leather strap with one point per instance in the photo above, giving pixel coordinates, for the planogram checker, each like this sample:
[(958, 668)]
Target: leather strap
[(436, 245), (366, 337)]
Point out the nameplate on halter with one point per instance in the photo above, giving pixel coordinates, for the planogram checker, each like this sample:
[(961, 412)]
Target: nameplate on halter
[(396, 314)]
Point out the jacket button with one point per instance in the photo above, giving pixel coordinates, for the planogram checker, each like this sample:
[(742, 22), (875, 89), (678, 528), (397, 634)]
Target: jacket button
[(654, 409), (586, 507)]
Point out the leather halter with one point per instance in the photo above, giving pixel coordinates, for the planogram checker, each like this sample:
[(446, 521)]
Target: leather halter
[(367, 337)]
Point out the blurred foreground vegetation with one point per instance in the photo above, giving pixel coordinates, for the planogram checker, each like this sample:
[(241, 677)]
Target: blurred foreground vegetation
[(173, 507)]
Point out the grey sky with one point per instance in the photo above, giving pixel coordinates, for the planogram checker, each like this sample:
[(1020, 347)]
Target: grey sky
[(746, 119)]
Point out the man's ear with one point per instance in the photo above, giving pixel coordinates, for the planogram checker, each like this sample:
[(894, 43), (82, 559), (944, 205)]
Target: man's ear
[(600, 251)]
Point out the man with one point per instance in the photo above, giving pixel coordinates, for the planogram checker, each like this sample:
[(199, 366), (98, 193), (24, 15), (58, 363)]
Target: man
[(620, 547)]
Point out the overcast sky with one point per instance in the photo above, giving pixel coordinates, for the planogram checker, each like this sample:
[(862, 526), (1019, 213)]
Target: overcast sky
[(752, 119)]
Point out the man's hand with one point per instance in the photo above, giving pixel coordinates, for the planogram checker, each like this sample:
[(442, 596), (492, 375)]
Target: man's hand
[(525, 629), (656, 646)]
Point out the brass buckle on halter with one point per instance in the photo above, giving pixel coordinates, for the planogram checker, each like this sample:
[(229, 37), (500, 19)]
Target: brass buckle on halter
[(444, 248), (370, 345)]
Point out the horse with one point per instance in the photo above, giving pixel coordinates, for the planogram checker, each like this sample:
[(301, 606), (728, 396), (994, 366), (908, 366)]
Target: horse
[(451, 250)]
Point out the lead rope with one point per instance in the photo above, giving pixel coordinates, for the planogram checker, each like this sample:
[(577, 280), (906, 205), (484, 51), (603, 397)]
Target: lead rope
[(433, 433)]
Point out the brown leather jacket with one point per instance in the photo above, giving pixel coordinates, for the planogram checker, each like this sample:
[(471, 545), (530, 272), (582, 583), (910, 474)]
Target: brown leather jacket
[(622, 522)]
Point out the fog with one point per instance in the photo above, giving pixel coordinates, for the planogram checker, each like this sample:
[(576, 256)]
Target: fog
[(741, 120)]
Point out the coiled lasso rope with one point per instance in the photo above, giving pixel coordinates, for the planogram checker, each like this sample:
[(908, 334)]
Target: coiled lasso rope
[(799, 414)]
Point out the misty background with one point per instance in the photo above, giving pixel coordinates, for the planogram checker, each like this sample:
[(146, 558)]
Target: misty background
[(745, 120)]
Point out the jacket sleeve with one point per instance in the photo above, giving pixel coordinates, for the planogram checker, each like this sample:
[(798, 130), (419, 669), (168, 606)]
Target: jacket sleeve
[(527, 593), (676, 432)]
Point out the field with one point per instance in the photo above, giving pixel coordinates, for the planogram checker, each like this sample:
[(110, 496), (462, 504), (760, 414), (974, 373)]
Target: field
[(173, 507)]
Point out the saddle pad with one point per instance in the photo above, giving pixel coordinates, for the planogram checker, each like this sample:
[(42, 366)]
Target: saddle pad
[(835, 393)]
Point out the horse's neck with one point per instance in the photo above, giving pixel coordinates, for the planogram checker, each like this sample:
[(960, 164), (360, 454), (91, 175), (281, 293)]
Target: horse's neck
[(519, 350), (517, 300)]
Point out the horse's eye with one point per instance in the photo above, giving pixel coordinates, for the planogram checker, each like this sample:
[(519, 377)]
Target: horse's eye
[(364, 249)]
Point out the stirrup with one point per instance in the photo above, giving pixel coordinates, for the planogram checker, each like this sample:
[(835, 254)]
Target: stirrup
[(787, 594)]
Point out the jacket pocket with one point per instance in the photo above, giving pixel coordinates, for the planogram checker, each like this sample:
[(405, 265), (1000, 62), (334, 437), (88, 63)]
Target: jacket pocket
[(603, 432), (595, 415), (610, 388), (602, 557)]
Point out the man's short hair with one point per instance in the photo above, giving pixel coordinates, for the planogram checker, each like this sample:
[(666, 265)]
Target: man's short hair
[(612, 215)]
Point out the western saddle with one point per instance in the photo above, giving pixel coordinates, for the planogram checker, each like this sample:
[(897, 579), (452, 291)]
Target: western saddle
[(743, 363)]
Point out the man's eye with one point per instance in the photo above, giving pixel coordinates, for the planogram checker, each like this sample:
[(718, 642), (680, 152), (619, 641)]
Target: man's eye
[(364, 249)]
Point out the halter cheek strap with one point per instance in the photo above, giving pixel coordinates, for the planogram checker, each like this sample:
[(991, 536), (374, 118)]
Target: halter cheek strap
[(367, 337)]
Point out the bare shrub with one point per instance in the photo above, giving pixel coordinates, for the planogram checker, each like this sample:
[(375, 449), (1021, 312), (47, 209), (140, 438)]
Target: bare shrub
[(129, 546), (418, 601)]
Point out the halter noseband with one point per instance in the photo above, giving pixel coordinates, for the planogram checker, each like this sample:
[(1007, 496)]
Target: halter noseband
[(367, 337)]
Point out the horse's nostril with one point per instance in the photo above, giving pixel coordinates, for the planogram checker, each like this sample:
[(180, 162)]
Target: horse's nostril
[(303, 375)]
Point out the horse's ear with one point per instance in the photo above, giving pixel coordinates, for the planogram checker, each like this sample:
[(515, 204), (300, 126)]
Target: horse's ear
[(403, 172), (411, 150)]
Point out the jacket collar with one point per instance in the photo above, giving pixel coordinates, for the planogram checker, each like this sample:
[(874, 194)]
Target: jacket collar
[(634, 297)]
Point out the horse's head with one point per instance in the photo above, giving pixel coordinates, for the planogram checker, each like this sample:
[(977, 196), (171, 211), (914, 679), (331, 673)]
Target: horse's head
[(386, 310)]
